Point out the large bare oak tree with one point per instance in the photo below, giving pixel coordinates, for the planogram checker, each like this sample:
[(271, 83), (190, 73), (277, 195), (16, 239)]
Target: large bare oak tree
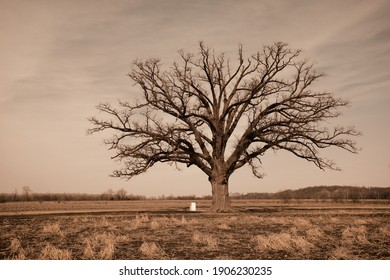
[(219, 115)]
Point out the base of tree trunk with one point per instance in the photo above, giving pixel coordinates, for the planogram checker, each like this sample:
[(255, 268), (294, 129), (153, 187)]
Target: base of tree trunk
[(229, 209), (221, 201)]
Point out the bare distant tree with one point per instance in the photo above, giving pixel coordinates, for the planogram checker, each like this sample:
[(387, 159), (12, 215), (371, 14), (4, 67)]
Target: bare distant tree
[(324, 195), (121, 194), (26, 192), (207, 112), (15, 195), (109, 194)]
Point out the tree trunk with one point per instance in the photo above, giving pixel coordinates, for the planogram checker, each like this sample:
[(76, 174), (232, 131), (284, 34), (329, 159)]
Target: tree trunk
[(220, 191)]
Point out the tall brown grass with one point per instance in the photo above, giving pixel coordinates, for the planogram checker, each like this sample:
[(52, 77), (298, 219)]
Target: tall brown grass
[(302, 223), (355, 235), (384, 231), (16, 249), (341, 253), (50, 252), (99, 247), (314, 233), (282, 241), (53, 229), (152, 250), (210, 242)]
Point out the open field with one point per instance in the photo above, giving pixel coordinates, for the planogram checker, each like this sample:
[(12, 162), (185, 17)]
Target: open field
[(166, 230)]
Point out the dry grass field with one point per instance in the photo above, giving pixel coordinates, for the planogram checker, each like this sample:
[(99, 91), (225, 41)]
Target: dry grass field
[(166, 230)]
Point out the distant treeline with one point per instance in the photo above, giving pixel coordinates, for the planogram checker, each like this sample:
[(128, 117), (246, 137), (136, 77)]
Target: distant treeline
[(318, 193), (323, 193), (28, 195)]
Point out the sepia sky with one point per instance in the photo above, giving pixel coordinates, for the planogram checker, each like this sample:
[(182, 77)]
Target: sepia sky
[(59, 59)]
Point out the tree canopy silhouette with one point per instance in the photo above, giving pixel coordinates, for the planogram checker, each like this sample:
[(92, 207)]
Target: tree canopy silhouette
[(219, 116)]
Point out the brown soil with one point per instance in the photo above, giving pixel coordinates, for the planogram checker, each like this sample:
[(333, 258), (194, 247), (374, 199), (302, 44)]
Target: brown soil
[(167, 231)]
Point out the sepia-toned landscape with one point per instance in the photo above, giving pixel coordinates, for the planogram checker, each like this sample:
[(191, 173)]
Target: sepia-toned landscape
[(165, 229), (101, 102)]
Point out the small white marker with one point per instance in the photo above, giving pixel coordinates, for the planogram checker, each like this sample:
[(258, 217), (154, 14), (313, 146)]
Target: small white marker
[(193, 206)]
